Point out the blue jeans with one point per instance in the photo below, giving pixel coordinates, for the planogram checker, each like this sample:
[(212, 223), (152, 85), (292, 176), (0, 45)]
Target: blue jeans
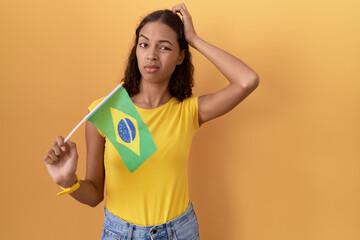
[(183, 227)]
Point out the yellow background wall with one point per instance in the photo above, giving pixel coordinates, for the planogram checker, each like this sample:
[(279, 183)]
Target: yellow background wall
[(283, 165)]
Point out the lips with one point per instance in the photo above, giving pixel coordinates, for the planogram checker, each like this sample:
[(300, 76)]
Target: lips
[(151, 68)]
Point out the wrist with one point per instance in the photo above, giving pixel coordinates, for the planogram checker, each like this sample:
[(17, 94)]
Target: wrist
[(193, 41), (71, 189), (68, 181)]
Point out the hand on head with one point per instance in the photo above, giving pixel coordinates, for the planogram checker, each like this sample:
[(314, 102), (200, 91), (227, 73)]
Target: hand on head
[(190, 34)]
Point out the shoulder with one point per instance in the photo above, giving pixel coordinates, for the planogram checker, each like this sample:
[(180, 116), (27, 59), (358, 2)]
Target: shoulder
[(95, 103), (190, 108), (191, 103), (90, 108), (189, 100)]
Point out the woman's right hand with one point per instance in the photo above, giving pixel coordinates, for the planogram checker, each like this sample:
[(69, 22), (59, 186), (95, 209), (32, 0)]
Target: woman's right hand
[(61, 162)]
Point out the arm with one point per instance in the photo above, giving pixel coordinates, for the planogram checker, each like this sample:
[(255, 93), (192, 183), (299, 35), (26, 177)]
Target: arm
[(91, 190), (61, 163), (242, 79)]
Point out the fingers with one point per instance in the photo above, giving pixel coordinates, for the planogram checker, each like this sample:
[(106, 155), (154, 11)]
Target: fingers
[(56, 148), (71, 144), (190, 33), (60, 141), (72, 149), (56, 151), (50, 158), (181, 8)]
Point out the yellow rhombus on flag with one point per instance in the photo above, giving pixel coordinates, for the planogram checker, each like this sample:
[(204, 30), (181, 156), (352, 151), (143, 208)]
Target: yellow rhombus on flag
[(129, 132)]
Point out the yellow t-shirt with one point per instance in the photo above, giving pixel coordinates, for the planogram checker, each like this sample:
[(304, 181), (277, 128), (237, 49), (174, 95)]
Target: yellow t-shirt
[(157, 191)]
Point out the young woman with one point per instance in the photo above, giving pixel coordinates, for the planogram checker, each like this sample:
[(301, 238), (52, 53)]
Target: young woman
[(152, 202)]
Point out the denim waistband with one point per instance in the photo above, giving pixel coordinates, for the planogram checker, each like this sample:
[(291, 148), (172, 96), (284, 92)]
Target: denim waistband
[(119, 224)]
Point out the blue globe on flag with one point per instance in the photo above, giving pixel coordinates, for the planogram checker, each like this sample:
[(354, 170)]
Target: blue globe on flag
[(126, 130)]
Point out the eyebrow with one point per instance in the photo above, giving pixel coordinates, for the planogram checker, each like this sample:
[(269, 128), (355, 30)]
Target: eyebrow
[(165, 41)]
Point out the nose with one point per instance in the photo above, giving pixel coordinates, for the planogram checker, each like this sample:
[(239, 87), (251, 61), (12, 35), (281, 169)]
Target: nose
[(152, 54)]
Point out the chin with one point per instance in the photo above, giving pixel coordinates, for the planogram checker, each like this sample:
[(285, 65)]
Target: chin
[(153, 79)]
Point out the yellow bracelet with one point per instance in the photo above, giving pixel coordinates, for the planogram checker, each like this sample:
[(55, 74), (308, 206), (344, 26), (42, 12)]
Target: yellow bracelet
[(71, 189)]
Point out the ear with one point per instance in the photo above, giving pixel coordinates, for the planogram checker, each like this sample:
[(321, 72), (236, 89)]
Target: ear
[(181, 57)]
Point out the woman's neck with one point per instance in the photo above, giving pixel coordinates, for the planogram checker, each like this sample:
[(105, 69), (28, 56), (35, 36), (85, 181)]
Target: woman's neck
[(151, 95)]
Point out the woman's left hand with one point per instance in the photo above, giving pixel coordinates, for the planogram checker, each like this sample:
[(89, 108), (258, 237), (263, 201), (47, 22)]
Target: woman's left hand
[(190, 34)]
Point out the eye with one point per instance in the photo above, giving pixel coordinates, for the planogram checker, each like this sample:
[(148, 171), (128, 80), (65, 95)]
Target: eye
[(164, 48), (143, 45)]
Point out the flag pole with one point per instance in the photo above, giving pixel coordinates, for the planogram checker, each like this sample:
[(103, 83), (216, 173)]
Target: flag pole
[(94, 110)]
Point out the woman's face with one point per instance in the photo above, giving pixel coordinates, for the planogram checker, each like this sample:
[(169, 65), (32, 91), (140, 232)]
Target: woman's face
[(158, 52)]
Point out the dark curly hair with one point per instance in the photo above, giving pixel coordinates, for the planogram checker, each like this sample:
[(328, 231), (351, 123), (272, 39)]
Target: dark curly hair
[(181, 81)]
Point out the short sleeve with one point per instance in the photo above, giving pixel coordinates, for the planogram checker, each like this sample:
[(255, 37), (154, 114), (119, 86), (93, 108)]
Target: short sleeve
[(92, 106), (192, 106)]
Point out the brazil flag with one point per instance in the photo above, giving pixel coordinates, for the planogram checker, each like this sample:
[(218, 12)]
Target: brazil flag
[(121, 123)]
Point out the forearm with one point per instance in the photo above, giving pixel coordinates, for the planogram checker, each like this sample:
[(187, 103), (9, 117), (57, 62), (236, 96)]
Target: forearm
[(236, 71), (61, 162), (88, 194), (91, 190)]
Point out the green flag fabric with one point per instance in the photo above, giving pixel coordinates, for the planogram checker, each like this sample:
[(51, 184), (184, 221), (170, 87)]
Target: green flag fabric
[(121, 123)]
